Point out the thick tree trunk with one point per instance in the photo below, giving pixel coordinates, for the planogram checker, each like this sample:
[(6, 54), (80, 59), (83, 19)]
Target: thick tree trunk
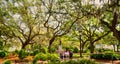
[(91, 47), (50, 44), (23, 46), (81, 50), (117, 48), (114, 47)]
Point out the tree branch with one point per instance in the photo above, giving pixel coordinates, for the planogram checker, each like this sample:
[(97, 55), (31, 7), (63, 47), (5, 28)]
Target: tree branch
[(101, 36)]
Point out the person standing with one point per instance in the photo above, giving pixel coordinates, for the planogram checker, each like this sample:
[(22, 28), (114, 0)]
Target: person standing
[(70, 54)]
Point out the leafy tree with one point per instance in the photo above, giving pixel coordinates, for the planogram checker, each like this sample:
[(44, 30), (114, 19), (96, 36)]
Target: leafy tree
[(62, 16), (23, 20)]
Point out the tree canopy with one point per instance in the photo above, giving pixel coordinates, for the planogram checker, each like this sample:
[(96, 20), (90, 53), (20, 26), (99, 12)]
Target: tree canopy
[(37, 21)]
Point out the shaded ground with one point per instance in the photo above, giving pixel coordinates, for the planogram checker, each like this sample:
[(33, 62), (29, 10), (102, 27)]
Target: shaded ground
[(108, 61), (28, 60)]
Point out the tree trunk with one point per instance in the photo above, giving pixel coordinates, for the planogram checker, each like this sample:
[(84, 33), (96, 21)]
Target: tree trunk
[(91, 47), (80, 48), (23, 46), (114, 47), (117, 48), (80, 40), (50, 43)]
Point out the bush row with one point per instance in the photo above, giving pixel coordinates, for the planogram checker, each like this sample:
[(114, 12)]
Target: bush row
[(104, 50), (81, 61), (106, 56)]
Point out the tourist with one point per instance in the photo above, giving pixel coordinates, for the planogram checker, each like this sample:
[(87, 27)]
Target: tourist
[(70, 54)]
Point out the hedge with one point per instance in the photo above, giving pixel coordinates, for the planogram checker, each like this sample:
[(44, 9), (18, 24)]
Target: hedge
[(106, 56)]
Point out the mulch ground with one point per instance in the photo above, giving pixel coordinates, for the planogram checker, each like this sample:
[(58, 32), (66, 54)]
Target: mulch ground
[(15, 59)]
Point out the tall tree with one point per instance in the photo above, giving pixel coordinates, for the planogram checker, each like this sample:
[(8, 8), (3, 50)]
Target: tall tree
[(23, 19), (60, 18)]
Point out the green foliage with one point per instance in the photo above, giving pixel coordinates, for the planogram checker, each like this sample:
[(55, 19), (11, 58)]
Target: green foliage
[(1, 45), (72, 62), (3, 54), (22, 54), (75, 0), (106, 56), (116, 57), (3, 13), (53, 57), (7, 62), (35, 52), (43, 50), (86, 50), (70, 48), (75, 50), (52, 49), (81, 61), (104, 50), (17, 51), (86, 61), (76, 55), (34, 61), (41, 56), (96, 56)]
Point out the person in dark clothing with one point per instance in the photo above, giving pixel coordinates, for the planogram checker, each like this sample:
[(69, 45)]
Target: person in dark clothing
[(61, 55), (70, 54)]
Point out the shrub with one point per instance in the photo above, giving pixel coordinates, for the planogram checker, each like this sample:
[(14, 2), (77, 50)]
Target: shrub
[(72, 62), (35, 52), (104, 50), (22, 54), (116, 57), (39, 56), (86, 61), (3, 54), (111, 56), (16, 51), (75, 50), (76, 55), (106, 56), (52, 49), (67, 48), (34, 61), (43, 50), (7, 62), (96, 56), (53, 57), (85, 50), (81, 61)]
